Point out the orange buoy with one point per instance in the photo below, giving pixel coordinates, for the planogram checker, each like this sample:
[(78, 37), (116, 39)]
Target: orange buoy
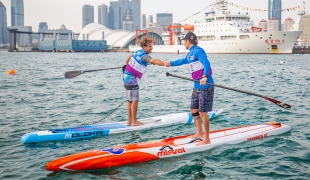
[(11, 71)]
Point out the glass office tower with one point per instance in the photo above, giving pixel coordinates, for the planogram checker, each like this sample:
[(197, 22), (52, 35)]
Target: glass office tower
[(87, 15), (17, 13), (274, 10), (164, 19), (4, 33), (103, 15)]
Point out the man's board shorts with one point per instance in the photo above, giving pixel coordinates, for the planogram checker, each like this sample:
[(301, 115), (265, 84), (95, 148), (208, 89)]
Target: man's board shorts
[(131, 86), (202, 99)]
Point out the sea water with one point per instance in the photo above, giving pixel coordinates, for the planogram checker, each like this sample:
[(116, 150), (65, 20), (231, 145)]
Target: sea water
[(38, 97)]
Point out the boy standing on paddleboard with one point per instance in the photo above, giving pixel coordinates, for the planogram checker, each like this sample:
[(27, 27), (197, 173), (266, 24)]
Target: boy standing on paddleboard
[(136, 65), (202, 95)]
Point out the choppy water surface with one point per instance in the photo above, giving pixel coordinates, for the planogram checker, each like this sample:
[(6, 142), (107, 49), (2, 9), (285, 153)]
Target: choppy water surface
[(38, 97)]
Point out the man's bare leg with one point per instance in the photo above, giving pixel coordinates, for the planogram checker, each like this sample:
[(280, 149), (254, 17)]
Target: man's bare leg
[(129, 114), (134, 110), (198, 133), (206, 126)]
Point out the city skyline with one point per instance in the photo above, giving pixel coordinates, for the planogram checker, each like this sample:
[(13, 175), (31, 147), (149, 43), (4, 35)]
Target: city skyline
[(69, 13)]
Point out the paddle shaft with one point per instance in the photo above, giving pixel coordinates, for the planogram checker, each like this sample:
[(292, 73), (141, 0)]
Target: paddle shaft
[(279, 103), (102, 69), (72, 74)]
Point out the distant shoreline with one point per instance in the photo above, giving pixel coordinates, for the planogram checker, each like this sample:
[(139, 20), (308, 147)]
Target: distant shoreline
[(294, 51)]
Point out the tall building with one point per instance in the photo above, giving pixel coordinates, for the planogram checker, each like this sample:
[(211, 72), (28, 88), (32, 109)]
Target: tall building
[(263, 24), (87, 15), (305, 28), (273, 25), (143, 21), (103, 15), (128, 24), (118, 13), (149, 21), (274, 11), (17, 13), (164, 19), (288, 24), (42, 27), (4, 34)]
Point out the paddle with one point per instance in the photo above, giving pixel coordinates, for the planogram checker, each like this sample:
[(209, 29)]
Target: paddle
[(72, 74), (279, 103)]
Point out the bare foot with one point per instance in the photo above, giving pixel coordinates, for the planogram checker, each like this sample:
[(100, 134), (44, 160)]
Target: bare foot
[(129, 123), (137, 123), (196, 136), (203, 142)]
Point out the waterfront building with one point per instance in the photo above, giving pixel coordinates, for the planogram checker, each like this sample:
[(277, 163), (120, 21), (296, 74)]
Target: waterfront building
[(87, 15), (274, 11), (63, 39), (305, 28), (117, 39), (58, 34), (4, 33), (103, 14), (118, 12), (17, 13), (273, 25), (263, 24), (143, 21), (23, 39), (128, 24), (288, 24), (164, 19)]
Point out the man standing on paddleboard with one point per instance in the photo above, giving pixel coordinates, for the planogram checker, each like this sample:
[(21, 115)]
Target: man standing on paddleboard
[(202, 95), (136, 65)]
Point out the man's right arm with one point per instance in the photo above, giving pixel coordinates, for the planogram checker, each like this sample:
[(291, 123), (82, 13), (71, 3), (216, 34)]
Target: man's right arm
[(178, 62), (157, 62)]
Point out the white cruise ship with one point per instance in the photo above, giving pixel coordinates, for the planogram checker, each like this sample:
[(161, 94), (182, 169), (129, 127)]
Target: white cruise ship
[(224, 32)]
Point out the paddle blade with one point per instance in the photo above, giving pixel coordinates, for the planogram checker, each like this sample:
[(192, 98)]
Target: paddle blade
[(72, 74), (279, 103)]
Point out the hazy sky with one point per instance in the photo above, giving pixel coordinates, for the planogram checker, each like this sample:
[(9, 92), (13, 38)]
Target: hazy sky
[(69, 12)]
